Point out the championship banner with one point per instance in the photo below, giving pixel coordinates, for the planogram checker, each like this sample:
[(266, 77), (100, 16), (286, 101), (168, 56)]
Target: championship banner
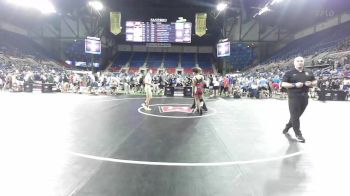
[(115, 22), (201, 24)]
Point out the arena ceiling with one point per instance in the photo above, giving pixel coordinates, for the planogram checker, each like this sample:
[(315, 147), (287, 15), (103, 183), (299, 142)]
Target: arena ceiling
[(297, 14), (143, 10), (292, 15)]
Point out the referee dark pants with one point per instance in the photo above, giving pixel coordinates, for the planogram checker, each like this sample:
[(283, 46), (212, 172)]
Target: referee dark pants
[(297, 106)]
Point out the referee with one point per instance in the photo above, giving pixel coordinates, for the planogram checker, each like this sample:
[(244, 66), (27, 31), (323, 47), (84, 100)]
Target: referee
[(297, 81)]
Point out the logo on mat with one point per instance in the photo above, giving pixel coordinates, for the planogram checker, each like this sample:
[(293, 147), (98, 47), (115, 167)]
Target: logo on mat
[(167, 109)]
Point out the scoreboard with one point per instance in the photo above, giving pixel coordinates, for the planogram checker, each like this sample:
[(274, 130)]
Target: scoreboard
[(93, 45), (159, 32), (223, 49)]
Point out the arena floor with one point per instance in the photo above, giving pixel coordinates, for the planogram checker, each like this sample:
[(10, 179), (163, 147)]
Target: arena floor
[(81, 145)]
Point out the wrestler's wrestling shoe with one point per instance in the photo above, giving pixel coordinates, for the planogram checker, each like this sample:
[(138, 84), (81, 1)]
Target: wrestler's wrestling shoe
[(300, 138)]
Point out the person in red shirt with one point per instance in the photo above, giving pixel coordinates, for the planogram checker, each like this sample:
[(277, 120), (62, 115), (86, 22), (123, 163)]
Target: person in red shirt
[(226, 85), (198, 89)]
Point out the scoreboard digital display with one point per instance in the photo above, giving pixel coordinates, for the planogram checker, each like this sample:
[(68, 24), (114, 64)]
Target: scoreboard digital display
[(158, 32), (93, 45), (223, 49)]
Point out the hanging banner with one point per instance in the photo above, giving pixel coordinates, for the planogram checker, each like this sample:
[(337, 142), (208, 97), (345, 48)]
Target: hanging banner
[(201, 24), (115, 22)]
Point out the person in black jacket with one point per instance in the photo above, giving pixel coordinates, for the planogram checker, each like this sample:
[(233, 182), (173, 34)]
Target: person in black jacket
[(297, 81)]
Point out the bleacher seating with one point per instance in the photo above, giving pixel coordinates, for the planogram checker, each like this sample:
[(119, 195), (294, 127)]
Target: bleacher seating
[(138, 59), (121, 59), (154, 70), (187, 70), (16, 42), (208, 70), (155, 60), (313, 44), (134, 69), (76, 52), (188, 60), (171, 70), (20, 50), (241, 56), (205, 60), (171, 60)]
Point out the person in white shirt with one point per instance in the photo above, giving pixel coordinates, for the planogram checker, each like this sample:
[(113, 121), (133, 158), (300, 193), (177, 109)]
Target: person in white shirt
[(216, 85), (148, 89)]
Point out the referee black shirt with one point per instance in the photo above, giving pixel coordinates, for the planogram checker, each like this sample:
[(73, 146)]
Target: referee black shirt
[(294, 76)]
